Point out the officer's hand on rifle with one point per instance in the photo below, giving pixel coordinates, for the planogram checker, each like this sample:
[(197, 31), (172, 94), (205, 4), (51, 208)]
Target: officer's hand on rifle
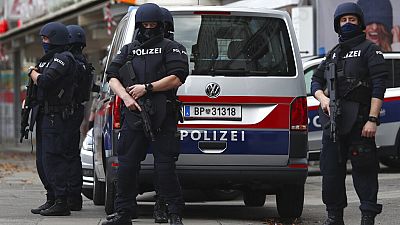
[(369, 129), (131, 103), (324, 101), (137, 90), (30, 70), (34, 75)]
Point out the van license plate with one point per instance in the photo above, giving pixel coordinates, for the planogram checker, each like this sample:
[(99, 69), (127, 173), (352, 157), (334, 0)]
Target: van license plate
[(213, 112)]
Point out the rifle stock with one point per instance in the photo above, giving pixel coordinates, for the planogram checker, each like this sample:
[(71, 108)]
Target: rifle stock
[(26, 110)]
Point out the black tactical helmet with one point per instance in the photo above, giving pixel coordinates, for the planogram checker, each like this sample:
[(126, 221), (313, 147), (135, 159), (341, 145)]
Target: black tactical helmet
[(56, 32), (76, 35), (149, 12), (168, 19), (348, 8)]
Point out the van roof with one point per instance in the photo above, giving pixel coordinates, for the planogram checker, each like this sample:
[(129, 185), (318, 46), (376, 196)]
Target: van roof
[(234, 10)]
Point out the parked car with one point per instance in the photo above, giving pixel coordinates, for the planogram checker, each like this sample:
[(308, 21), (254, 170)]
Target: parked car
[(244, 104), (87, 164), (388, 134)]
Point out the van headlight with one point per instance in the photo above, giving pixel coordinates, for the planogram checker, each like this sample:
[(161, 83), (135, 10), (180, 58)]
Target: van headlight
[(88, 144)]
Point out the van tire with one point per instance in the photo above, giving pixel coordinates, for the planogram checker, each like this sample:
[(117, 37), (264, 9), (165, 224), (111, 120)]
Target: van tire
[(254, 198), (390, 161), (88, 193), (98, 190), (110, 196), (290, 201)]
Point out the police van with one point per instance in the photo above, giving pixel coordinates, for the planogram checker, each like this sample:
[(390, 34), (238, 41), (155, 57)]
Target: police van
[(244, 108), (388, 133)]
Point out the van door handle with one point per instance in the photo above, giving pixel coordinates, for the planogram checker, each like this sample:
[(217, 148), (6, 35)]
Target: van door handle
[(212, 147)]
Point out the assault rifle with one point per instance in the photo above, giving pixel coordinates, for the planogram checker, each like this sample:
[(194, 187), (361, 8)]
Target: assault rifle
[(26, 108), (334, 103), (129, 79)]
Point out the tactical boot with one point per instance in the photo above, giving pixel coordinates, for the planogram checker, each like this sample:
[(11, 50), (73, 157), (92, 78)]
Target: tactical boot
[(331, 221), (367, 220), (60, 208), (335, 217), (160, 211), (175, 219), (46, 205), (134, 215), (75, 204), (118, 219)]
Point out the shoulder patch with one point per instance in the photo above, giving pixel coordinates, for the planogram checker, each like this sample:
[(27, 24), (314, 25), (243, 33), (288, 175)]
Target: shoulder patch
[(59, 61)]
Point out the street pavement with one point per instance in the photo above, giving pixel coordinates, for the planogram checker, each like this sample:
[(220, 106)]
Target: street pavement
[(21, 190)]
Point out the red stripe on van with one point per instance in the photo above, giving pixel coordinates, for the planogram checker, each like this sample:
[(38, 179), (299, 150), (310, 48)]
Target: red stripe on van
[(391, 99), (311, 108), (275, 120), (237, 99)]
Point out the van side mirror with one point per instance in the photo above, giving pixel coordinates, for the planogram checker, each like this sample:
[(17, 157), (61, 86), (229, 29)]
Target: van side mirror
[(105, 87)]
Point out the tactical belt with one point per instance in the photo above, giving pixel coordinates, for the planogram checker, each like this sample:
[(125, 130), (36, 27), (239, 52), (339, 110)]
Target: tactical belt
[(57, 108)]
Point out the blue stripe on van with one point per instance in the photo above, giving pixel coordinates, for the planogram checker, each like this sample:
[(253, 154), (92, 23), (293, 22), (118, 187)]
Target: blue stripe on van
[(241, 142), (390, 113)]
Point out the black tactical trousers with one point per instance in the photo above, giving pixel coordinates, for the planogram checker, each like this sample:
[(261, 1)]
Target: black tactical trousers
[(75, 171), (53, 137), (41, 160), (365, 177), (132, 149)]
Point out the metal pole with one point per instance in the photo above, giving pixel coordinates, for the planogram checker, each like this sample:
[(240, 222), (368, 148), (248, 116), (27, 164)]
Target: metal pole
[(17, 89)]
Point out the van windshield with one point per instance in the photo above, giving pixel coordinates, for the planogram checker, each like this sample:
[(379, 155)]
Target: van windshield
[(235, 45)]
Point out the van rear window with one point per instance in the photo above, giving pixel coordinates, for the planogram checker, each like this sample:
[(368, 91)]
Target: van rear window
[(236, 45)]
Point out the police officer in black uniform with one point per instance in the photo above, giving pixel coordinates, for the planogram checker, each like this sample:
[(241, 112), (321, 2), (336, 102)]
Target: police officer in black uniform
[(54, 81), (361, 74), (160, 213), (159, 69), (81, 95)]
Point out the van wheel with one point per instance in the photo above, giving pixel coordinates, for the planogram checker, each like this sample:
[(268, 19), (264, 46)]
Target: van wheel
[(290, 200), (390, 161), (98, 190), (110, 196), (254, 198)]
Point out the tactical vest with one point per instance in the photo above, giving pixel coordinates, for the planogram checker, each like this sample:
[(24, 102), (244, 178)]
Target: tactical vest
[(84, 80), (61, 94), (149, 64), (352, 71)]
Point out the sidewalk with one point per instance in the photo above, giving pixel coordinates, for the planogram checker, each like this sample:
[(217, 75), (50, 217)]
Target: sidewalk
[(12, 147)]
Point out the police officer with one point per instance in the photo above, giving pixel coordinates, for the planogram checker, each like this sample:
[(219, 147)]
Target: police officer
[(160, 214), (160, 70), (54, 80), (75, 181), (361, 73)]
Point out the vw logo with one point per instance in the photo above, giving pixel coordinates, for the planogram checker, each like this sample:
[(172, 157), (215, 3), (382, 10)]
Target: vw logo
[(213, 90)]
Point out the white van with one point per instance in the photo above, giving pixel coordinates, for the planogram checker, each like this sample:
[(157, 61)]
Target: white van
[(244, 104), (388, 134)]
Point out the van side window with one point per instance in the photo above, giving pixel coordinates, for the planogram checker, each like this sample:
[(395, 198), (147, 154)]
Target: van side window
[(394, 73), (308, 73), (117, 42)]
